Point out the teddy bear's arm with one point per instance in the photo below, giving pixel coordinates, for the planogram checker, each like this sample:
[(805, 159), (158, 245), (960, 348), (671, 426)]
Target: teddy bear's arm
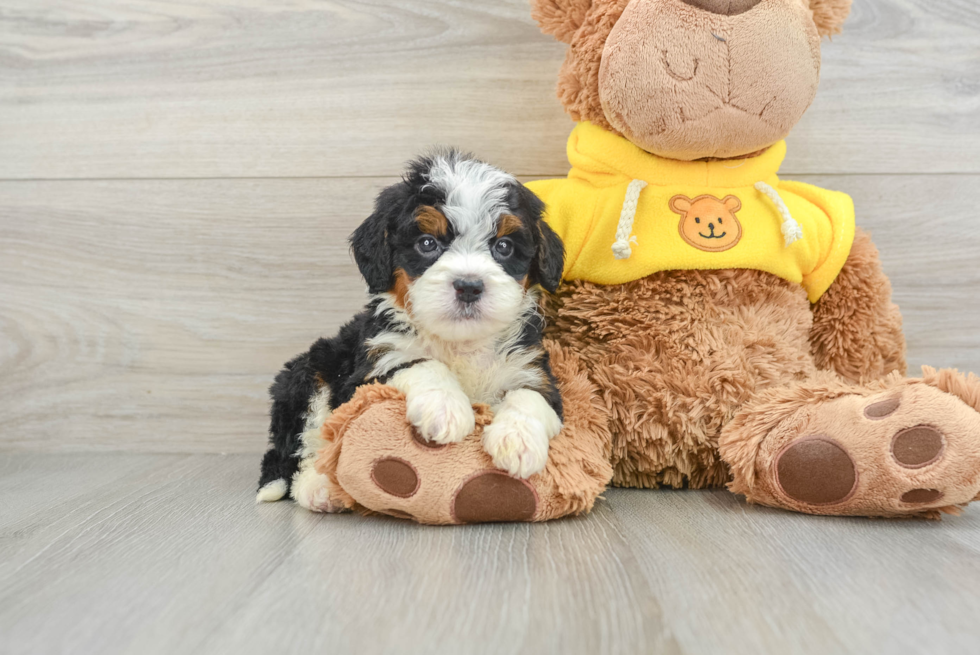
[(857, 329)]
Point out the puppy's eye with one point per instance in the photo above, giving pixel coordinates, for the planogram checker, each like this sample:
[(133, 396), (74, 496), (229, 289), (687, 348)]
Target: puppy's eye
[(426, 244), (504, 248)]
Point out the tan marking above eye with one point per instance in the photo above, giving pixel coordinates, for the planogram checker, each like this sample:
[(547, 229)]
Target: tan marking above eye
[(508, 225), (432, 221)]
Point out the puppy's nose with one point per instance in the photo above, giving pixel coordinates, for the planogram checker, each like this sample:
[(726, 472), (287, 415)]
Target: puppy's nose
[(724, 7), (468, 291)]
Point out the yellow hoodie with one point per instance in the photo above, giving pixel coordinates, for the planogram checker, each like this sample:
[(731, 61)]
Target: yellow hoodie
[(625, 214)]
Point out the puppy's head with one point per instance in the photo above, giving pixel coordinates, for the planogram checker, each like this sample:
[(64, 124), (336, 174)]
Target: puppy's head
[(458, 244)]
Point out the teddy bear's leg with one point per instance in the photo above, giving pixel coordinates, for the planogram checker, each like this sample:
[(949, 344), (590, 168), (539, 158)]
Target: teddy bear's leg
[(893, 447), (857, 329), (377, 462)]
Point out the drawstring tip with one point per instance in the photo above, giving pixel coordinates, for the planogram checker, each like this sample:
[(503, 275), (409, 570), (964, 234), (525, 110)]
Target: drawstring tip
[(792, 232), (621, 250), (621, 247)]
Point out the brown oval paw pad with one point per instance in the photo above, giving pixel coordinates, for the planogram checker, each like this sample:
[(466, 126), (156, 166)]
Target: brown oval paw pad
[(921, 496), (492, 496), (882, 408), (395, 476), (917, 447), (816, 471)]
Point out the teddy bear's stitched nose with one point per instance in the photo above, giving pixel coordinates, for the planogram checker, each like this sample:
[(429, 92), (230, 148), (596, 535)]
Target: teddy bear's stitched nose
[(724, 7)]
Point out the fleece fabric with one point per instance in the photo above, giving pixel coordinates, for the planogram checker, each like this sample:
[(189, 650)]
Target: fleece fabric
[(701, 215)]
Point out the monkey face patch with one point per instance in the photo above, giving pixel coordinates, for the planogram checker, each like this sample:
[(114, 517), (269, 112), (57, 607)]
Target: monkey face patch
[(708, 223)]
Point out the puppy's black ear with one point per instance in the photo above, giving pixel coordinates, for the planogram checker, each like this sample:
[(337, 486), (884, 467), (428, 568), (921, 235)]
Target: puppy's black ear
[(550, 262), (549, 257), (370, 245)]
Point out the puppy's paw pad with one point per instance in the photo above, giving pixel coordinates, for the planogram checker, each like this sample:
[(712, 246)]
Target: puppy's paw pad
[(442, 416), (517, 444)]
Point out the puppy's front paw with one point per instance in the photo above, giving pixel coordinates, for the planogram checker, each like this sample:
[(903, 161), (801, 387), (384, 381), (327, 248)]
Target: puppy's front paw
[(441, 415), (517, 442)]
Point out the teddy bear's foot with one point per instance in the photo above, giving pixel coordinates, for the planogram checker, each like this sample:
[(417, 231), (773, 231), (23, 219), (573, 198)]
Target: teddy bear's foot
[(376, 461), (387, 467), (895, 447)]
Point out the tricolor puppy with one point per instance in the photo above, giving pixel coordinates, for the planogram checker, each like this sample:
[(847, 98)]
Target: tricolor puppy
[(453, 255)]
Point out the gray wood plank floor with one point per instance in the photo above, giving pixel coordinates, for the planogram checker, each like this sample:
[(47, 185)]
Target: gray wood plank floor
[(152, 553)]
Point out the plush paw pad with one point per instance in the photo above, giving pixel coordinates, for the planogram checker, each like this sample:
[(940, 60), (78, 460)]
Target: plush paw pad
[(916, 447), (395, 476), (491, 496), (816, 471), (441, 415)]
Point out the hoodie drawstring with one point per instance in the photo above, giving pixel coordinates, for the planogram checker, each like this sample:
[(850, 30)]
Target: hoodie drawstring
[(791, 229), (621, 247)]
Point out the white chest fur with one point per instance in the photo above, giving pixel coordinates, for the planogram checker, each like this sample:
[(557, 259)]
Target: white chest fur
[(485, 370)]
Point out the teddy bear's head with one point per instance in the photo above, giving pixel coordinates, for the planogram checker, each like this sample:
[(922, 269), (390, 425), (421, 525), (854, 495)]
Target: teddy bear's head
[(691, 79)]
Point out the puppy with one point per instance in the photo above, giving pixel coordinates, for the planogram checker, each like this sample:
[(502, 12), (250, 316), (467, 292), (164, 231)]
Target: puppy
[(453, 255)]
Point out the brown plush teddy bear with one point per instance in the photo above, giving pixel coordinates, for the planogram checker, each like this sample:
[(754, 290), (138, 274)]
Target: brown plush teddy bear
[(717, 325)]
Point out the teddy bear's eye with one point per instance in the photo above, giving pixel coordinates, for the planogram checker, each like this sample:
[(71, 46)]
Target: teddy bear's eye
[(719, 221), (697, 220)]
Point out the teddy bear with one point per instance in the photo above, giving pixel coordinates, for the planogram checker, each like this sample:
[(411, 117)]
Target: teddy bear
[(717, 325)]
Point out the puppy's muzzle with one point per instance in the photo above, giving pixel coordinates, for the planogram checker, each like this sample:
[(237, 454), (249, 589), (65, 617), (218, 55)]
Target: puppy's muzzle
[(468, 291)]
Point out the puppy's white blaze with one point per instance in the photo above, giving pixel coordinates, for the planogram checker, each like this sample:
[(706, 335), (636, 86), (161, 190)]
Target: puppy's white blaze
[(517, 439), (475, 198)]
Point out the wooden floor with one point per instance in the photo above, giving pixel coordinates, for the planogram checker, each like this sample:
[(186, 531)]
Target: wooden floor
[(150, 553), (176, 183)]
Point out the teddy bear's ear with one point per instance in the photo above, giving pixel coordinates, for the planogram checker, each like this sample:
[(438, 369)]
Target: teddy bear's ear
[(732, 203), (829, 15), (680, 204), (560, 18)]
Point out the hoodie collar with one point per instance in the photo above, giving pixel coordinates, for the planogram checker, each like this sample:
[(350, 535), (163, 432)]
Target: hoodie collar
[(595, 153)]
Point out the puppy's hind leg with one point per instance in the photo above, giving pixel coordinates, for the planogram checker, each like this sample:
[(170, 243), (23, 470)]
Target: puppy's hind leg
[(300, 405), (277, 471), (311, 489)]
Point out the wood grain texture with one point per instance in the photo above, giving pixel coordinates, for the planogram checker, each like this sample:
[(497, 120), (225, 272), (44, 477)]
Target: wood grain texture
[(159, 88), (175, 557), (168, 554), (152, 315), (736, 578)]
